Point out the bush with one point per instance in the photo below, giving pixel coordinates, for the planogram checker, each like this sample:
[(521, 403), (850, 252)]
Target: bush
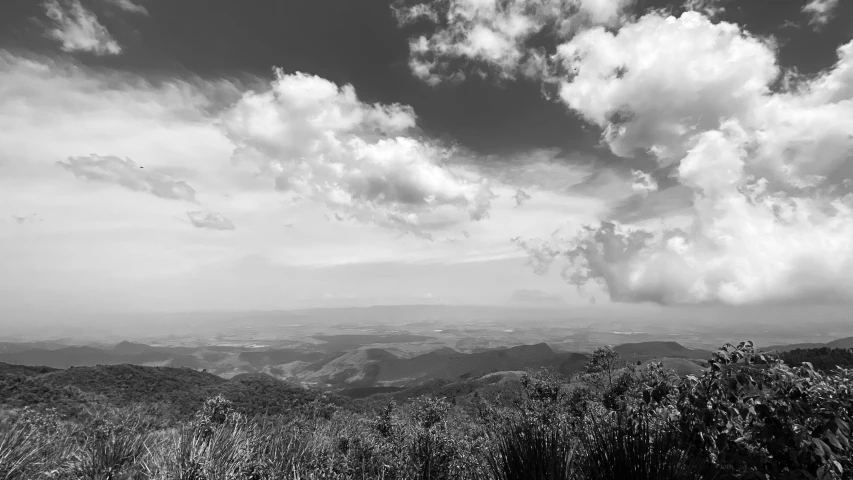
[(531, 451), (638, 448)]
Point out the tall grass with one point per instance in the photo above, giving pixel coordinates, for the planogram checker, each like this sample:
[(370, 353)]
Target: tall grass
[(528, 450), (425, 443), (619, 447), (31, 446)]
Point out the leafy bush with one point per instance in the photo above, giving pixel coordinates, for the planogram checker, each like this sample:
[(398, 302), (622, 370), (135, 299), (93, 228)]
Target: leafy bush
[(756, 416)]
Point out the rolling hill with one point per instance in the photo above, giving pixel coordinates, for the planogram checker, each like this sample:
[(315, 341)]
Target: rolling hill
[(846, 342), (368, 367), (648, 350)]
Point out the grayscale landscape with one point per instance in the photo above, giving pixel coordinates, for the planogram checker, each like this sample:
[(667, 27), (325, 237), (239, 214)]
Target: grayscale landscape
[(426, 240)]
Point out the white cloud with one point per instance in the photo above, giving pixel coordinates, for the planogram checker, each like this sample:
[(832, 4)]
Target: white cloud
[(319, 141), (53, 109), (649, 98), (820, 12), (126, 173), (494, 34), (642, 183), (128, 6), (78, 29), (209, 220), (709, 8), (771, 215)]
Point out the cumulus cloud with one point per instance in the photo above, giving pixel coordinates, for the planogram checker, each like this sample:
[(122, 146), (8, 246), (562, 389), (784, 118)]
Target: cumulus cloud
[(319, 141), (126, 173), (495, 35), (771, 213), (820, 12), (78, 29), (646, 98), (209, 220)]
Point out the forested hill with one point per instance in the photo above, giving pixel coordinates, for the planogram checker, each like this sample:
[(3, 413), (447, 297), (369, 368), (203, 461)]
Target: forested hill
[(175, 392)]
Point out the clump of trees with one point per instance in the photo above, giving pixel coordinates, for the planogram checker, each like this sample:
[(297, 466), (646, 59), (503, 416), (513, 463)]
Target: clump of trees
[(748, 416)]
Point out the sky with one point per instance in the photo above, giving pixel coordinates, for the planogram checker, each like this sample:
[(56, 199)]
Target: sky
[(160, 155)]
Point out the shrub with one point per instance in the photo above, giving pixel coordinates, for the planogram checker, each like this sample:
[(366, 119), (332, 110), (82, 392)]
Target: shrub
[(527, 450), (621, 447), (31, 445), (752, 413), (110, 447)]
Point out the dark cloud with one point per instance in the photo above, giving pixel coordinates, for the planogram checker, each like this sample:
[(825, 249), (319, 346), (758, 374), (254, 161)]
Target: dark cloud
[(520, 197), (126, 173)]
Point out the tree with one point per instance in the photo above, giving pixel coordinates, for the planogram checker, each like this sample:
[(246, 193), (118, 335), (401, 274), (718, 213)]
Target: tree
[(605, 361)]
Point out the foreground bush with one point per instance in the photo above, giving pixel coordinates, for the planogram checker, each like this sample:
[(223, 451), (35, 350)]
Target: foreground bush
[(637, 448), (531, 451)]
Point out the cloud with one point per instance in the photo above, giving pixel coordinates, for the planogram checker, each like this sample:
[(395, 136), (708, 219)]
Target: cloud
[(709, 8), (495, 36), (820, 12), (520, 197), (128, 6), (319, 141), (771, 213), (642, 183), (650, 99), (22, 219), (78, 29), (126, 173), (209, 220)]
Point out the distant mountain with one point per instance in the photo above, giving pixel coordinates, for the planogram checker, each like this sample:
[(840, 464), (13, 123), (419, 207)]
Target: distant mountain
[(646, 350), (89, 356), (846, 342), (349, 341), (11, 347), (276, 357), (368, 367), (793, 346), (841, 343)]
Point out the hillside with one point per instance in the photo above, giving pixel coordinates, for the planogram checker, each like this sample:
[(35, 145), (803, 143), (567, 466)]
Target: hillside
[(823, 358), (368, 367), (846, 342), (178, 391), (647, 350)]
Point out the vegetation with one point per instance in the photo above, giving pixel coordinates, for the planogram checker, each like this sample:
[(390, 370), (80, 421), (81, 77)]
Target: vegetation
[(747, 416), (824, 359)]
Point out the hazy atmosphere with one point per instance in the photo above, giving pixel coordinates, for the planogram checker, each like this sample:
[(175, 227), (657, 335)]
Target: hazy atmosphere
[(234, 156)]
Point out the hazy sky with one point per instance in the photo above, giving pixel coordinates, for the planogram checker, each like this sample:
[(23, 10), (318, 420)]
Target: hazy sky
[(165, 154)]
